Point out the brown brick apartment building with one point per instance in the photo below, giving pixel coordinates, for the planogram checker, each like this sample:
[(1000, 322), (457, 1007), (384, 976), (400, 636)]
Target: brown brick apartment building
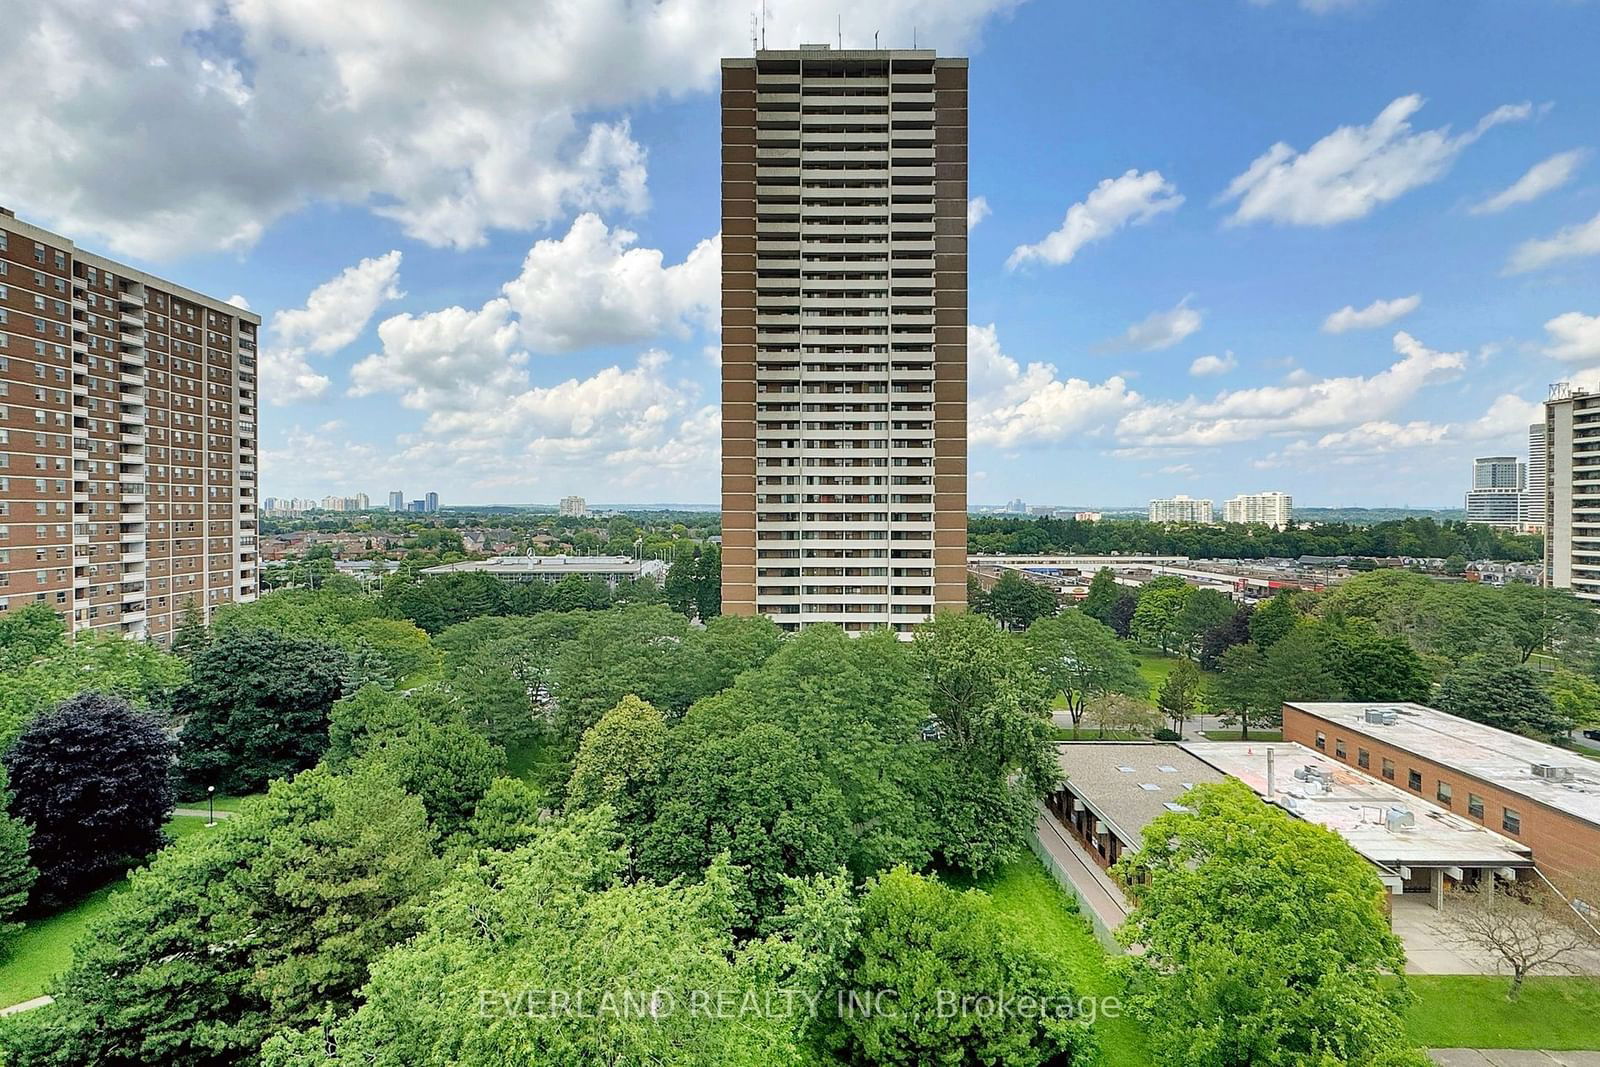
[(1542, 796), (127, 440), (844, 358)]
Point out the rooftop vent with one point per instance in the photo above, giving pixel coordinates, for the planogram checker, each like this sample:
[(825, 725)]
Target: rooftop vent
[(1552, 773), (1400, 819), (1382, 716)]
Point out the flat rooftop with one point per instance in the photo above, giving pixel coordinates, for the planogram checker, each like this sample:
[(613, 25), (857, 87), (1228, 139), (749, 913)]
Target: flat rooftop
[(1356, 807), (1128, 785), (512, 566), (1495, 756)]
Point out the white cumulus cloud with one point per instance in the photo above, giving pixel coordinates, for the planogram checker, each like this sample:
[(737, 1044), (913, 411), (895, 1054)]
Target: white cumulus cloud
[(452, 121), (1213, 366), (1541, 178), (1013, 404), (593, 287), (1574, 337), (335, 314), (1306, 404), (977, 211), (1378, 313), (1160, 329), (1114, 203), (1573, 242), (1354, 169)]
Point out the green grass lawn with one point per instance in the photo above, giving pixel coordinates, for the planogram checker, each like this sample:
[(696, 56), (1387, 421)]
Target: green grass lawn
[(184, 825), (44, 948), (1091, 733), (1466, 1011), (1038, 908), (1234, 735), (1154, 668)]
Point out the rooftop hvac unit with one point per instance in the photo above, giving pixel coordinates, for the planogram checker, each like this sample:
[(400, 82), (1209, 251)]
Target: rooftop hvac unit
[(1382, 716), (1399, 819), (1552, 773)]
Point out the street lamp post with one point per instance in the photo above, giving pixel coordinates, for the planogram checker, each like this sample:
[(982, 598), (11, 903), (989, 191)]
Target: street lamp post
[(211, 803)]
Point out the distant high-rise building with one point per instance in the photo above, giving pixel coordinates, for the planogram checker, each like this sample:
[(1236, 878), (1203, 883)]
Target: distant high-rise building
[(1017, 507), (844, 312), (432, 502), (1087, 516), (1270, 508), (574, 507), (397, 500), (418, 506), (363, 502), (1496, 496), (1572, 497), (127, 441), (1181, 508), (1533, 500)]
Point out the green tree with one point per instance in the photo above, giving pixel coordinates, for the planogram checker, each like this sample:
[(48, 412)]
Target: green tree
[(990, 710), (1179, 693), (1203, 609), (1576, 698), (1101, 597), (1507, 696), (28, 633), (191, 635), (933, 952), (1155, 620), (1371, 665), (556, 916), (140, 673), (255, 708), (1015, 602), (17, 875), (621, 762), (90, 777), (1122, 613), (1264, 939), (757, 797), (1272, 620), (249, 928), (400, 645), (1300, 666), (1083, 660), (1241, 695), (1234, 630), (682, 585), (708, 583), (1554, 620)]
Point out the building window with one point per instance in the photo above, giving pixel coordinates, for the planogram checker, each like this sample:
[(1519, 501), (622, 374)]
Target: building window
[(1363, 758), (1511, 822), (1474, 805), (1388, 769), (1444, 793), (1338, 748), (1322, 741), (1414, 780)]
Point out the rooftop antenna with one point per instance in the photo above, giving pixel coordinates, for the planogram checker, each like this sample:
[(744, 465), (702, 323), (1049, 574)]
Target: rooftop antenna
[(913, 38), (754, 36), (763, 24), (874, 40), (838, 20)]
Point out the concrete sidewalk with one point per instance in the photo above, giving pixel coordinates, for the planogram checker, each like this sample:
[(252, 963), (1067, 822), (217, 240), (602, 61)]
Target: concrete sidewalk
[(1093, 888), (1499, 1057)]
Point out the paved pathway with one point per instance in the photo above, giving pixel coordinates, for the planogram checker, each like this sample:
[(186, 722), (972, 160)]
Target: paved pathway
[(1497, 1057), (1096, 890), (28, 1005), (202, 813)]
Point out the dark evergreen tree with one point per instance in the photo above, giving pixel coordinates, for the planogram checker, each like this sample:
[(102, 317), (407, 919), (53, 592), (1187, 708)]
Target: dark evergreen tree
[(91, 777), (255, 708)]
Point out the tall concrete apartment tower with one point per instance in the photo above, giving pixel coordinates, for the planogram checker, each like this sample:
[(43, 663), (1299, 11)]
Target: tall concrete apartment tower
[(844, 352), (1572, 491), (127, 441)]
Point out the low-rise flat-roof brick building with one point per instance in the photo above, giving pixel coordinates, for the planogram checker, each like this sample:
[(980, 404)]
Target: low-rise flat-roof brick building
[(1545, 797)]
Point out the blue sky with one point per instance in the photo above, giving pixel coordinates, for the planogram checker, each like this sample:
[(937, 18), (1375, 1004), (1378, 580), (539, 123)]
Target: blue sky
[(483, 236)]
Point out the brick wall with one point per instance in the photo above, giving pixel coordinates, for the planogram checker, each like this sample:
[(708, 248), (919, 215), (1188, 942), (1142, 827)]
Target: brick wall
[(1564, 847)]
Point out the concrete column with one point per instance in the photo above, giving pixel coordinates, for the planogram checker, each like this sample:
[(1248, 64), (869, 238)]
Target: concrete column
[(1438, 888)]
